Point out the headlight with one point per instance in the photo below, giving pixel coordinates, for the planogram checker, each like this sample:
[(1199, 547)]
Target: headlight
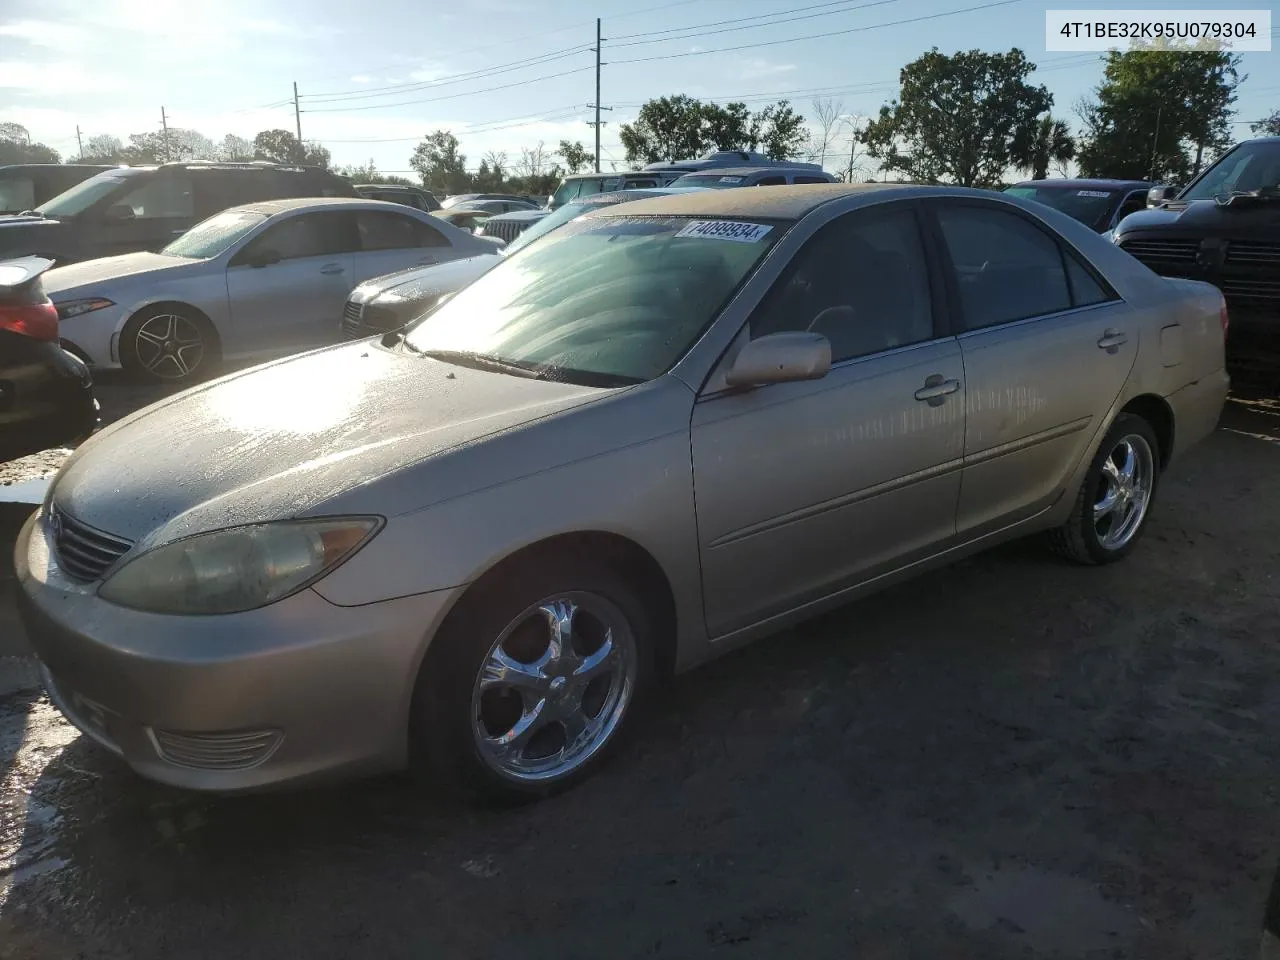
[(73, 308), (390, 296), (236, 569), (362, 293)]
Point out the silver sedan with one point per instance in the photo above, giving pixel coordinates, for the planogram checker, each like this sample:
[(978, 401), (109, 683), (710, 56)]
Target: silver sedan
[(251, 282), (660, 432)]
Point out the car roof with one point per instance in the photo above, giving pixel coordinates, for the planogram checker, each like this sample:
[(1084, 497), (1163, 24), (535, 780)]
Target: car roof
[(1074, 182), (272, 207), (785, 202), (389, 186), (749, 171), (646, 174)]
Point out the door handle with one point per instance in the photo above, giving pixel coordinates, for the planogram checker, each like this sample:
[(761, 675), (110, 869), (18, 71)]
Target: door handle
[(179, 232), (1112, 340), (936, 388), (331, 268)]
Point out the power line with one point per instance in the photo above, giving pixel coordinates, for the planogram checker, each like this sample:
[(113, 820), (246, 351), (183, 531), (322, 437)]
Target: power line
[(817, 36), (488, 126), (787, 17), (451, 96)]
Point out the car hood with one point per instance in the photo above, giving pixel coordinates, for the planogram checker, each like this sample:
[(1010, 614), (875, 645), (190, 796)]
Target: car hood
[(76, 275), (449, 273), (18, 219), (278, 441), (521, 216), (1207, 217)]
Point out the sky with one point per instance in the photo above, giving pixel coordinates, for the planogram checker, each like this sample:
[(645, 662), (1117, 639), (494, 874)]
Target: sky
[(502, 75)]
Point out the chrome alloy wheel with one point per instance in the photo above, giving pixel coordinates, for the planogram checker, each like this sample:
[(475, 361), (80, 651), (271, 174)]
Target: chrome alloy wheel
[(553, 687), (169, 346), (1128, 477)]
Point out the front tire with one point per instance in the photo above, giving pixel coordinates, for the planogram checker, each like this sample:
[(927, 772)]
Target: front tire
[(1114, 501), (168, 344), (533, 680)]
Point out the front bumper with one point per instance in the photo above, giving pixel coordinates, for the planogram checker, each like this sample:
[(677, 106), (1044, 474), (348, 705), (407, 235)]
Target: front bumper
[(297, 690)]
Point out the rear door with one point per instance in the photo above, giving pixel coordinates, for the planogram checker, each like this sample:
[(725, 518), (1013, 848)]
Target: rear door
[(1047, 347), (390, 241), (286, 288)]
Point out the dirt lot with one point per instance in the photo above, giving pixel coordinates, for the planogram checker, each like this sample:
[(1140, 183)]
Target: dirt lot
[(1007, 759)]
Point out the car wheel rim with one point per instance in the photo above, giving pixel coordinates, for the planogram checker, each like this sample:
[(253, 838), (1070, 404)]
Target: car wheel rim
[(553, 687), (1124, 493), (169, 346)]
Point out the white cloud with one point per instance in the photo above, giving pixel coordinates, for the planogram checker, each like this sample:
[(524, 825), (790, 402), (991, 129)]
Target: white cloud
[(758, 67), (361, 78)]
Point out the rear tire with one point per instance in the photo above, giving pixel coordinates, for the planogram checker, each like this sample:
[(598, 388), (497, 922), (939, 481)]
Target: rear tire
[(502, 710), (170, 343), (1114, 501)]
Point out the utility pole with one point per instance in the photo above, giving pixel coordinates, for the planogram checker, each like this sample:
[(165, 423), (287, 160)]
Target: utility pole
[(164, 123), (597, 103), (79, 142), (297, 114), (1154, 143)]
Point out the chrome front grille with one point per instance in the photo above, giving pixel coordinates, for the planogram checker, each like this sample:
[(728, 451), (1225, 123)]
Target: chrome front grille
[(216, 751), (351, 319), (1160, 252), (84, 553), (506, 230), (1250, 253)]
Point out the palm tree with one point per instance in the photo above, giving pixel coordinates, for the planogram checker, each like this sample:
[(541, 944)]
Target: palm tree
[(1052, 143)]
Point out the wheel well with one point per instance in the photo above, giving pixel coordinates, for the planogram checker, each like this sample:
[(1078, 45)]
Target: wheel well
[(629, 557), (175, 305), (1156, 412), (71, 348)]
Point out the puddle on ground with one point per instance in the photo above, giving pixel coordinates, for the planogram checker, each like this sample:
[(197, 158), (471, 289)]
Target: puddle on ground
[(25, 491), (1046, 911)]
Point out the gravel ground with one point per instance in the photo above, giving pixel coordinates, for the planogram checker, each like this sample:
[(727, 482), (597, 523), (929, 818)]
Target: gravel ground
[(1006, 759)]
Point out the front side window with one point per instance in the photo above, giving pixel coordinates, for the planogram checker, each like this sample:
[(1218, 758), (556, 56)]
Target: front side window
[(801, 178), (208, 238), (1248, 168), (566, 192), (1005, 268), (301, 236), (157, 199), (391, 231), (773, 181), (17, 194), (605, 301), (862, 281)]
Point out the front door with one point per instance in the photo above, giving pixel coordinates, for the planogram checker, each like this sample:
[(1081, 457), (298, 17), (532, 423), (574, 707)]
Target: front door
[(286, 288), (149, 217), (1047, 348), (805, 488)]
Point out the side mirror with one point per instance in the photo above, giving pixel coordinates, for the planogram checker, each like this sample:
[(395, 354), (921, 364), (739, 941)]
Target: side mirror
[(550, 198), (1159, 196), (780, 358), (262, 258)]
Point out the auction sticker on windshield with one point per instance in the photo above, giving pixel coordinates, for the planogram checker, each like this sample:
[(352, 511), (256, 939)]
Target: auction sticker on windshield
[(1102, 194), (734, 230)]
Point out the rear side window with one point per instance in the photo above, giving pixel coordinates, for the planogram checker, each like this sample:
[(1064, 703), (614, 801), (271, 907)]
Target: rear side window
[(390, 231), (774, 181), (216, 190), (1085, 289), (1005, 268), (160, 197), (804, 179)]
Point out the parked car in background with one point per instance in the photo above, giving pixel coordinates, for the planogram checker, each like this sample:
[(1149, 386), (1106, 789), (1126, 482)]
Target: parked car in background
[(1098, 204), (585, 184), (494, 207), (399, 193), (463, 218), (719, 159), (388, 303), (254, 281), (25, 186), (46, 394), (476, 546), (143, 208), (1224, 227), (771, 176), (457, 198)]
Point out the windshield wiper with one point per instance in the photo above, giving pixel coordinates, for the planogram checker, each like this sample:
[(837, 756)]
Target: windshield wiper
[(483, 361), (1262, 193), (33, 213)]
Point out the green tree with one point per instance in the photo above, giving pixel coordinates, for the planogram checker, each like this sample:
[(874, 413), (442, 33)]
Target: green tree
[(442, 168), (369, 173), (281, 146), (678, 127), (1270, 127), (16, 146), (103, 147), (1157, 112), (574, 155), (963, 118), (235, 148), (667, 128), (1052, 143), (778, 131)]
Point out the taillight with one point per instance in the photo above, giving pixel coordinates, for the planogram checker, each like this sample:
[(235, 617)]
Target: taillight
[(36, 320), (1222, 315)]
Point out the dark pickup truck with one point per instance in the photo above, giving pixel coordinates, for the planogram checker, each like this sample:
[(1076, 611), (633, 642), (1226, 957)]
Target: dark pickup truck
[(1224, 228)]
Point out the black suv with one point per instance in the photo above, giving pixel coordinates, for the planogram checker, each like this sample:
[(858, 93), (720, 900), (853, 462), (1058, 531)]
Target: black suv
[(1224, 228), (144, 208), (399, 193), (24, 185)]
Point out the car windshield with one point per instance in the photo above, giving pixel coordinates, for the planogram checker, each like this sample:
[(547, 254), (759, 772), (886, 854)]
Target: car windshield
[(208, 238), (82, 196), (1092, 206), (551, 221), (713, 181), (1248, 168), (605, 301)]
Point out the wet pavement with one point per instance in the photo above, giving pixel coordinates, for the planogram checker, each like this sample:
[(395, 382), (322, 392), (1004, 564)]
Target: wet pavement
[(1009, 758)]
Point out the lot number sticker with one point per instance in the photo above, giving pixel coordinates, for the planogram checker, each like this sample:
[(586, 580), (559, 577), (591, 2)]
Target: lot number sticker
[(1092, 193), (733, 230)]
